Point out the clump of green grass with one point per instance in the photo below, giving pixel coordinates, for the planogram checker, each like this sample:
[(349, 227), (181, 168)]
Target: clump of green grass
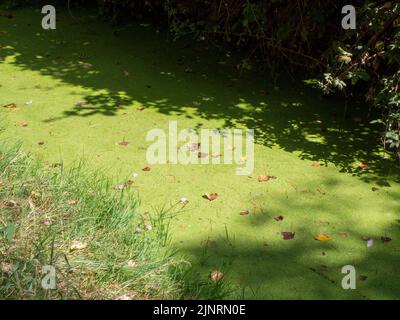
[(92, 234)]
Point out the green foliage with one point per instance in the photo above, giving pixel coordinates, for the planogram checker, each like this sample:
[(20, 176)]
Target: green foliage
[(366, 65)]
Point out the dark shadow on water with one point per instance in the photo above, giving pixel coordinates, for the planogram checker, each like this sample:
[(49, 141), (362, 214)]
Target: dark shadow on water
[(141, 66)]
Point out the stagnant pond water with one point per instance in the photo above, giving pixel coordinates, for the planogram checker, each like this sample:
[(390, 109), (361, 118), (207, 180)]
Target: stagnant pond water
[(84, 88)]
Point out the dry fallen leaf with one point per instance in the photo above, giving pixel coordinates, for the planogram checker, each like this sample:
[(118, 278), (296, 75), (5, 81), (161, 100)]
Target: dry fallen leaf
[(126, 297), (210, 196), (316, 164), (216, 276), (244, 212), (278, 218), (343, 234), (40, 143), (287, 235), (344, 58), (366, 238), (322, 237), (78, 245), (131, 263), (184, 201), (72, 202), (123, 143), (130, 182), (146, 169), (6, 267), (10, 203), (362, 277)]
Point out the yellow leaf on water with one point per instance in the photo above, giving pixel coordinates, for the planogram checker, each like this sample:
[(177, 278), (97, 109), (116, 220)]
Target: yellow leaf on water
[(322, 237)]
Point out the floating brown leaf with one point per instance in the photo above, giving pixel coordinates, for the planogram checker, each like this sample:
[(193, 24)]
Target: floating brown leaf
[(386, 239), (10, 105), (210, 196), (287, 235), (123, 143), (363, 166), (265, 178)]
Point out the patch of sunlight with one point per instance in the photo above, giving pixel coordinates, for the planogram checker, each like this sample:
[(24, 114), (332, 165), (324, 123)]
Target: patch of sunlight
[(123, 94), (244, 105), (207, 98), (168, 74), (11, 58), (311, 81), (316, 138), (293, 104), (158, 102)]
